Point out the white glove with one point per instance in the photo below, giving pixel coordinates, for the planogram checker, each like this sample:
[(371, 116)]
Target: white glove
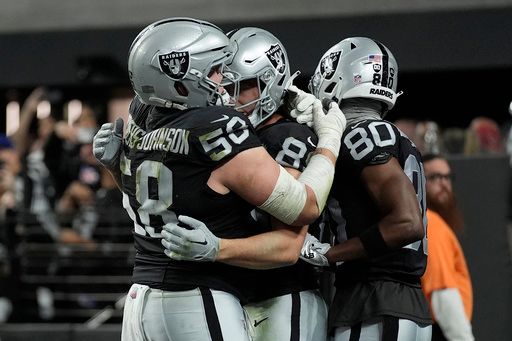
[(197, 243), (300, 105), (107, 142), (314, 252), (329, 127)]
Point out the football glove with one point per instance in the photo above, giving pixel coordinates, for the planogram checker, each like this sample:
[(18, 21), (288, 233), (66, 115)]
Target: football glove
[(107, 143), (329, 126), (300, 105), (195, 242), (314, 252)]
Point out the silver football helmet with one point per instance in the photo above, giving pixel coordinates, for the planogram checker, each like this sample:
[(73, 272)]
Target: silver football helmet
[(259, 59), (356, 67), (170, 62)]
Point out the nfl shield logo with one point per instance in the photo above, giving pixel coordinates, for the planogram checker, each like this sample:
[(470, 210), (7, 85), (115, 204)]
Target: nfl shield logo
[(329, 64), (276, 56), (174, 64)]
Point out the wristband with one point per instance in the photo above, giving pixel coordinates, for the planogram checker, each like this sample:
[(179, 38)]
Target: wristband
[(373, 242)]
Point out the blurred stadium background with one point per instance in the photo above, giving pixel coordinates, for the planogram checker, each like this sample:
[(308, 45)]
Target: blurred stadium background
[(455, 59)]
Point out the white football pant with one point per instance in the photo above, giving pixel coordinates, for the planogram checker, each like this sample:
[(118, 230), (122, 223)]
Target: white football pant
[(200, 314), (300, 316)]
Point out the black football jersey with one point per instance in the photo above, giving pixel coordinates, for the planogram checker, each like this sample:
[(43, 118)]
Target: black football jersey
[(365, 143), (165, 168), (290, 144)]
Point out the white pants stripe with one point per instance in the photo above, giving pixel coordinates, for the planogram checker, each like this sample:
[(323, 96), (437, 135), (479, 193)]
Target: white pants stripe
[(191, 315), (387, 328)]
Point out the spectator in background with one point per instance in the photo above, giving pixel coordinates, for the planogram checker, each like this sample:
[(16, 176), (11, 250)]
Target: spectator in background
[(69, 158), (440, 196), (446, 282), (408, 127), (10, 168), (454, 139), (31, 141), (483, 137), (428, 138)]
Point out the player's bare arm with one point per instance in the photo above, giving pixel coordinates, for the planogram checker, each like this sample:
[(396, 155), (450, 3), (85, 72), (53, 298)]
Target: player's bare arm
[(394, 194), (254, 175), (401, 222), (277, 248)]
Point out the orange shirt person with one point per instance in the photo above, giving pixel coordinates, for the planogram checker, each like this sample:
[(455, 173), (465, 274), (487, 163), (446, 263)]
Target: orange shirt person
[(446, 282)]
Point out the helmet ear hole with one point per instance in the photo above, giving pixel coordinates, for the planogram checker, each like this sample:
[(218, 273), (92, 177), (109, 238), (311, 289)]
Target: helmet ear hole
[(330, 87), (281, 81), (180, 89)]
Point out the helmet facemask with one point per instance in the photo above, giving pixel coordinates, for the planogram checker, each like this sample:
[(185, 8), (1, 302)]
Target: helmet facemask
[(264, 104)]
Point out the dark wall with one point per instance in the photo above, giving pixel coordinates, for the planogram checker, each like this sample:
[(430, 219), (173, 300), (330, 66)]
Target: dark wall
[(454, 66), (482, 185), (420, 41)]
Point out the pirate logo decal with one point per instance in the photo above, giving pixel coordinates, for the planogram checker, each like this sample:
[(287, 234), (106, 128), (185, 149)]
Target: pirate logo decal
[(329, 64), (276, 56), (174, 64)]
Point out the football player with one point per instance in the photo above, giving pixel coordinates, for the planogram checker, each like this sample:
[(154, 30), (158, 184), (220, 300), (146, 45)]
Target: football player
[(380, 186), (284, 303), (182, 154)]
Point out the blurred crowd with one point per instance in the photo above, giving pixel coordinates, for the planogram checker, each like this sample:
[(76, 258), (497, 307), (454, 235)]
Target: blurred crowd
[(482, 136), (49, 171), (49, 176)]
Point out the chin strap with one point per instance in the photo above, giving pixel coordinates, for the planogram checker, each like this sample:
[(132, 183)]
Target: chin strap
[(167, 104)]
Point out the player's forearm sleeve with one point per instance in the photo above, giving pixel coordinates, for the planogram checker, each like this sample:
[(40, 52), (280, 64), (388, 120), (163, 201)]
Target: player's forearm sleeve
[(319, 175), (449, 313), (287, 200), (289, 196)]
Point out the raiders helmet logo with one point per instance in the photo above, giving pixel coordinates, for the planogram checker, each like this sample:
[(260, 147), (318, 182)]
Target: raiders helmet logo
[(174, 64), (276, 56), (329, 64)]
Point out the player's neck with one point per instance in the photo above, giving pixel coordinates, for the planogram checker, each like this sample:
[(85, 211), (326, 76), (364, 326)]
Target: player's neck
[(359, 109), (271, 120)]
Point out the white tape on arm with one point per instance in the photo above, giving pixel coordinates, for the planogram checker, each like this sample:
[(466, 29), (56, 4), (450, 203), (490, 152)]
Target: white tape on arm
[(287, 200), (319, 175)]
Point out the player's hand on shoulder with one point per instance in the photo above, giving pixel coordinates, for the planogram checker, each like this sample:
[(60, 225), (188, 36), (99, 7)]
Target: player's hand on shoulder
[(107, 143), (329, 123), (189, 239), (313, 251)]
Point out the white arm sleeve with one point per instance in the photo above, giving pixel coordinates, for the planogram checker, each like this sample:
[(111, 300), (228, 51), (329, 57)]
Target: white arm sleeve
[(449, 314), (319, 175), (289, 196), (287, 200)]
